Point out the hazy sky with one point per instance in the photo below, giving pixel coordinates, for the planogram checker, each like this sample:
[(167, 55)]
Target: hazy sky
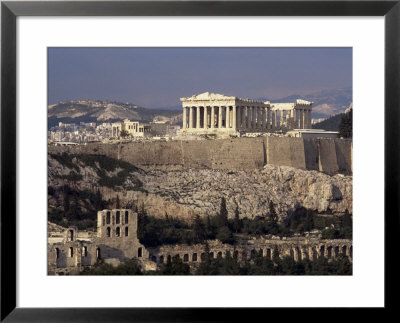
[(158, 77)]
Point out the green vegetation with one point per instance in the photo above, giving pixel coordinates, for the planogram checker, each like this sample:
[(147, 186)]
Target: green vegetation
[(158, 231), (72, 176), (101, 164), (346, 125), (229, 265), (129, 267), (79, 208)]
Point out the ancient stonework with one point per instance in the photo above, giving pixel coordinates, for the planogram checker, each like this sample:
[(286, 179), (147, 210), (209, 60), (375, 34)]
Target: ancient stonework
[(330, 156), (116, 241), (221, 115)]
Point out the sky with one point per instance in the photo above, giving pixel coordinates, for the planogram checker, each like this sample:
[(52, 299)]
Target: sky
[(157, 77)]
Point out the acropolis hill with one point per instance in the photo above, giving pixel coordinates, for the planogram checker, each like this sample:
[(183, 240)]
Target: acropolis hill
[(212, 115)]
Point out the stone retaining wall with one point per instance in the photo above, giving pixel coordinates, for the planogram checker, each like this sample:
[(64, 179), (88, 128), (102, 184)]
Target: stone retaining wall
[(327, 155)]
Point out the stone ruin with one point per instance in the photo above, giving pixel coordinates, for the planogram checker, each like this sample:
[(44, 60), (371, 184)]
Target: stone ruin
[(116, 240)]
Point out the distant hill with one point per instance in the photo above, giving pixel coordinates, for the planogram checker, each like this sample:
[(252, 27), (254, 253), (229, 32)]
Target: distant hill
[(326, 103), (105, 111), (332, 123)]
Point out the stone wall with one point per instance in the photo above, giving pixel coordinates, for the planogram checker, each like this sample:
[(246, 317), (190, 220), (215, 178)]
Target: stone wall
[(296, 248), (328, 155)]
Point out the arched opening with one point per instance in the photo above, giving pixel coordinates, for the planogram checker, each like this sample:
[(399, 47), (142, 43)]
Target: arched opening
[(344, 250), (98, 254), (211, 255), (118, 218), (108, 217), (322, 251), (269, 253), (261, 253), (126, 217), (291, 253), (336, 251), (203, 256), (219, 254), (108, 232), (57, 253), (139, 252), (235, 254), (84, 251), (299, 254), (71, 252), (169, 258), (70, 235), (329, 249), (194, 257), (153, 258), (161, 259), (118, 231), (185, 257), (126, 231), (252, 254)]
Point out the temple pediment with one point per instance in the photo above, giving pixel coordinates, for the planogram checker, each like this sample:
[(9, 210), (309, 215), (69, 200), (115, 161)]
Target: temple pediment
[(207, 96)]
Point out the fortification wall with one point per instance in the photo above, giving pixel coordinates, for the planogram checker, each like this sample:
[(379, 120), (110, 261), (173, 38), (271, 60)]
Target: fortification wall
[(327, 155)]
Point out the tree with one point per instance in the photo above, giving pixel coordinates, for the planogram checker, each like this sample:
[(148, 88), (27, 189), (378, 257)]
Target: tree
[(124, 134), (66, 199), (347, 222), (273, 216), (236, 221), (223, 213), (199, 231), (117, 203), (225, 235), (175, 267), (346, 125), (309, 221)]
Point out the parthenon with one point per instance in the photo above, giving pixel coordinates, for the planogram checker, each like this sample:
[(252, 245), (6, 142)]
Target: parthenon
[(212, 113)]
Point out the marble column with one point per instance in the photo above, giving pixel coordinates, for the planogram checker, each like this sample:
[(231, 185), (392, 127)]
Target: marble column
[(248, 117), (239, 117), (268, 118), (253, 117), (212, 117), (227, 117), (184, 125), (205, 117), (190, 117), (234, 126), (219, 117), (197, 117), (301, 119)]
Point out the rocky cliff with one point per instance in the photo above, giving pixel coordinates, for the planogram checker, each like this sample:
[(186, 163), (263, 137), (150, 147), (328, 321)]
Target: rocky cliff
[(184, 193)]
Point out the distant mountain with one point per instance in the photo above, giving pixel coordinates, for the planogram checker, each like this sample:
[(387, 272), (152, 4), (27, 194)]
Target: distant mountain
[(106, 111), (326, 103)]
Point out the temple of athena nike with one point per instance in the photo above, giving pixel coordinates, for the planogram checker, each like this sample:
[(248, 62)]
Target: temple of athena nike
[(217, 114)]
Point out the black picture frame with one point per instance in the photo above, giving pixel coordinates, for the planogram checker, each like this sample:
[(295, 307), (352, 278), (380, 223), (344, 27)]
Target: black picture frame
[(10, 10)]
